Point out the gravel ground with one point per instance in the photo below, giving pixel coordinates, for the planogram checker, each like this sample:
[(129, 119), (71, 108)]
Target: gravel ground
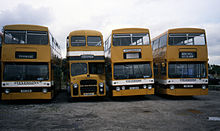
[(126, 113)]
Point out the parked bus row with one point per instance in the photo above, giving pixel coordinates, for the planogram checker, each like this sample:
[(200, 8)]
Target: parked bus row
[(126, 64)]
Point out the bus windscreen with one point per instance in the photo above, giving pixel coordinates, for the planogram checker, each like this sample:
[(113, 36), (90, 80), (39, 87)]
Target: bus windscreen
[(132, 70), (131, 39), (187, 39), (25, 71), (187, 70)]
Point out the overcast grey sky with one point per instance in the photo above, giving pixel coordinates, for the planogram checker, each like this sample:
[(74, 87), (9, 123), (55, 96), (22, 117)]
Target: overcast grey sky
[(64, 16)]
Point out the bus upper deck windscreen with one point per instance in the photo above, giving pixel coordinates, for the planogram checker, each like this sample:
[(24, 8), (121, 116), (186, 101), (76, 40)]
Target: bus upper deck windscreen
[(131, 39), (187, 39), (26, 37)]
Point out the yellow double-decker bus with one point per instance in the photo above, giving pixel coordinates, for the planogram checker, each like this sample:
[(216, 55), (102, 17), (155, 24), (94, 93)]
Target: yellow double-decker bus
[(181, 62), (129, 62), (30, 63), (85, 58)]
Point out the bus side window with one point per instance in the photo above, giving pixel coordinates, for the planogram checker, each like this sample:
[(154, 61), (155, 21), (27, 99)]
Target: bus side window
[(163, 69), (155, 69)]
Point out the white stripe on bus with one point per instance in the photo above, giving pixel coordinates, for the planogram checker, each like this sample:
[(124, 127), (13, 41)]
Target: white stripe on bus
[(132, 82), (26, 84), (79, 53)]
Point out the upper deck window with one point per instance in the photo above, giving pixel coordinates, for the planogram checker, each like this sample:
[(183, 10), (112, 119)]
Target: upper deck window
[(187, 39), (94, 41), (131, 39), (26, 37), (78, 41)]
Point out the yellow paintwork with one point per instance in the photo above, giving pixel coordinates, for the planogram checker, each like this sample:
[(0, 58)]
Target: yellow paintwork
[(76, 79), (134, 92), (44, 54), (23, 96), (183, 92), (170, 53), (26, 27), (8, 52), (117, 56), (85, 33)]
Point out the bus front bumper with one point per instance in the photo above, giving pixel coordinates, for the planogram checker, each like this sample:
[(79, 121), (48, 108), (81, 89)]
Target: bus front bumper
[(183, 92), (133, 92), (26, 96)]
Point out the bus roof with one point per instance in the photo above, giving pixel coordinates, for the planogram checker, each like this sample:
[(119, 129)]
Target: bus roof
[(181, 30), (130, 30), (85, 32), (186, 30), (25, 27)]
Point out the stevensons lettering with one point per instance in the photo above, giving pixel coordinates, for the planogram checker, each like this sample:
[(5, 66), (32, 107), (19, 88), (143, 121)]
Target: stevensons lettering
[(26, 83), (130, 81)]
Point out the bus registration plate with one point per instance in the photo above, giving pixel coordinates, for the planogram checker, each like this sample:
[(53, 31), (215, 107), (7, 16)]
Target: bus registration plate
[(26, 91), (132, 88), (188, 86), (88, 94)]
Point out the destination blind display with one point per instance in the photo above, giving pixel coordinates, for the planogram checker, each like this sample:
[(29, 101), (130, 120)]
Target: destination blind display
[(26, 55), (187, 55)]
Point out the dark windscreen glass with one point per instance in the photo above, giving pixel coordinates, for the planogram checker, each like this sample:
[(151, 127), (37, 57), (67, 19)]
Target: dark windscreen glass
[(26, 37), (15, 37), (78, 41), (78, 69), (94, 41), (187, 39), (96, 68), (37, 37), (187, 70), (132, 70), (26, 71), (130, 39)]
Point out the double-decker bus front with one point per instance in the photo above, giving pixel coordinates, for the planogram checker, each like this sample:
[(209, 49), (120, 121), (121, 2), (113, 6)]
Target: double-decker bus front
[(25, 63), (85, 56), (129, 62), (186, 63)]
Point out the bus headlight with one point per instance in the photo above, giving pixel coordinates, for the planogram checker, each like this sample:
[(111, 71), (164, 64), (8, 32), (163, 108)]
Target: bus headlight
[(44, 90), (123, 87), (75, 85), (203, 87), (149, 87), (117, 88), (144, 86), (7, 91), (101, 85), (172, 87)]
